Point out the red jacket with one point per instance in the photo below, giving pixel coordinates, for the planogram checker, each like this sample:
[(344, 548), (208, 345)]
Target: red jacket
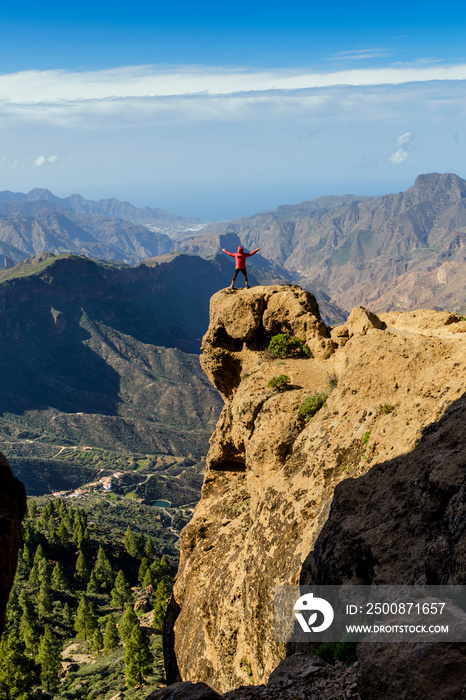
[(240, 257)]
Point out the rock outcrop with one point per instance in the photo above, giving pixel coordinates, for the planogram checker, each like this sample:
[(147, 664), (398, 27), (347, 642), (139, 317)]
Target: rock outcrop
[(12, 509), (271, 475)]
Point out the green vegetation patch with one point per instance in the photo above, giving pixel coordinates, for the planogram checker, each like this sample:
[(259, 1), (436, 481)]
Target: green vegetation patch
[(75, 589), (343, 651), (281, 382), (312, 404), (366, 437), (286, 345)]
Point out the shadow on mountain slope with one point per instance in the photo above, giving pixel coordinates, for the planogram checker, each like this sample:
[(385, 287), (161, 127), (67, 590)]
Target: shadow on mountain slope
[(404, 521)]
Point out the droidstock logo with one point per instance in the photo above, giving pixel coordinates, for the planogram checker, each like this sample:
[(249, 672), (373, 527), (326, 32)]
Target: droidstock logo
[(307, 603)]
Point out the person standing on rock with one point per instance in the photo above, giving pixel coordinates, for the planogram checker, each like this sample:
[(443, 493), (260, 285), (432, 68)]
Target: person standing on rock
[(240, 263)]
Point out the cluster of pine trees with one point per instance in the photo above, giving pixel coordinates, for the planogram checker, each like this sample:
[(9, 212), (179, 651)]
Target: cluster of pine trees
[(70, 584)]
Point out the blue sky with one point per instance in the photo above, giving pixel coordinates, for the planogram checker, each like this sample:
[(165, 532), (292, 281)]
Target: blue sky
[(220, 109)]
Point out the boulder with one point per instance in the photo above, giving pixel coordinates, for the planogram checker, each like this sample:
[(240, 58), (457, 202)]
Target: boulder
[(409, 671), (296, 666), (362, 320), (340, 335), (185, 691), (143, 605), (68, 667)]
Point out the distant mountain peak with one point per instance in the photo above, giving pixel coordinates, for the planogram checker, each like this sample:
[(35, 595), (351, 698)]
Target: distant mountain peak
[(41, 193), (429, 184)]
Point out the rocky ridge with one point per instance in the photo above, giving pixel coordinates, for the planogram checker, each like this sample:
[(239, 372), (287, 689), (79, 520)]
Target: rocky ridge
[(395, 252), (395, 384)]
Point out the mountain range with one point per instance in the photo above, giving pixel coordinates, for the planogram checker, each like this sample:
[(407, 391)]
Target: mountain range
[(394, 252), (112, 207), (104, 355)]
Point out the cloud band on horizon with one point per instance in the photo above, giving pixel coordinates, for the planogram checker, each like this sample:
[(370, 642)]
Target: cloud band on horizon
[(29, 87)]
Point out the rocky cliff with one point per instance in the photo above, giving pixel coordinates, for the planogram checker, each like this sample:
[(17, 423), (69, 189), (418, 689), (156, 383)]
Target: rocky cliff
[(388, 440), (12, 509)]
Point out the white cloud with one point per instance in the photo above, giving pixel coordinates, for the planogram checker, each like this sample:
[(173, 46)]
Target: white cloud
[(401, 152), (359, 54), (10, 163), (65, 87), (123, 98), (43, 160)]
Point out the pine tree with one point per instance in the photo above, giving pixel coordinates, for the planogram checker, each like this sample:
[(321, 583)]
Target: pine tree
[(44, 571), (24, 564), (49, 508), (29, 535), (97, 640), (51, 523), (140, 545), (111, 637), (61, 509), (27, 630), (148, 579), (138, 659), (130, 542), (161, 571), (43, 518), (32, 508), (165, 567), (82, 570), (13, 611), (78, 531), (84, 545), (93, 585), (149, 550), (67, 616), (127, 622), (39, 556), (142, 571), (103, 570), (54, 541), (121, 593), (26, 604), (161, 596), (63, 534), (28, 635), (68, 520), (59, 582), (44, 599), (86, 620), (49, 659), (18, 672)]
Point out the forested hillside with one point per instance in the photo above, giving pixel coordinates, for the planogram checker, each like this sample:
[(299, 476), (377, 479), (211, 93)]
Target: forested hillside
[(84, 616)]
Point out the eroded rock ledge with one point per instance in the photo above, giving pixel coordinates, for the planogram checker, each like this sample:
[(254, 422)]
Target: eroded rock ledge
[(271, 476)]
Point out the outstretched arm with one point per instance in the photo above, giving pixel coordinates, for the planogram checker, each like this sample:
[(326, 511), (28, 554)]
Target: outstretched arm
[(226, 251), (248, 255)]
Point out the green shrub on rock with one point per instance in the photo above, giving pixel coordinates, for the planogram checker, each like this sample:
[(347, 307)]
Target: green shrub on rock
[(312, 404), (281, 382), (286, 345)]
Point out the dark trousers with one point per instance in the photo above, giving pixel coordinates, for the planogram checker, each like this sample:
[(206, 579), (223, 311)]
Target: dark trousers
[(240, 269)]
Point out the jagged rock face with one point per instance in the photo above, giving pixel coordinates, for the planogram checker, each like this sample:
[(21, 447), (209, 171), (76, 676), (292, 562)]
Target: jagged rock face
[(12, 509), (271, 475)]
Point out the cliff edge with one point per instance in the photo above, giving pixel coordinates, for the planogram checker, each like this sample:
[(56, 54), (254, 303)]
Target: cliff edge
[(12, 509), (271, 475)]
